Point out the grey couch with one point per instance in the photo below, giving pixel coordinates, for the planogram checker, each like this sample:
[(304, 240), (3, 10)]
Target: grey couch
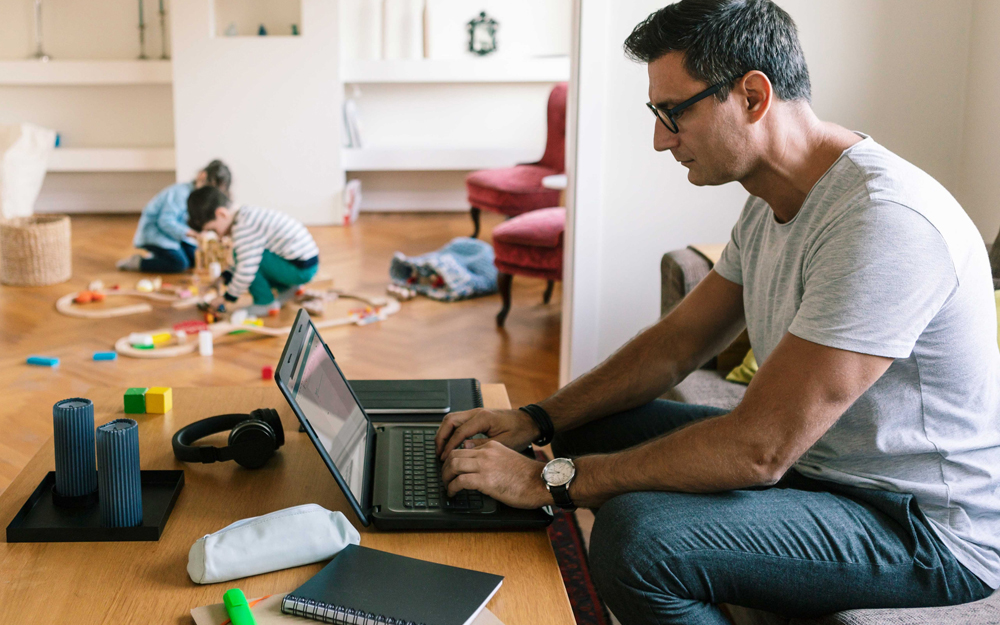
[(680, 271)]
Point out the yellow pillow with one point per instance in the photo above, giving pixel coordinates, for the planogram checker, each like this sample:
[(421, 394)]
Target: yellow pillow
[(744, 373)]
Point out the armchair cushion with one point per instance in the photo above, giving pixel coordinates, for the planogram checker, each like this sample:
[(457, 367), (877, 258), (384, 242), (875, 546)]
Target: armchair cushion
[(511, 191)]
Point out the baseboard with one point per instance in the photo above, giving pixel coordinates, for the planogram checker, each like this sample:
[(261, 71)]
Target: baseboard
[(391, 201)]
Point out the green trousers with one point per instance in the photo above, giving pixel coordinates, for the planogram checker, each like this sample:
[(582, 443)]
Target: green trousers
[(277, 273)]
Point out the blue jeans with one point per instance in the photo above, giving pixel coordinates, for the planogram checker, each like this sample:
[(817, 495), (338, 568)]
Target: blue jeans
[(168, 261), (802, 548)]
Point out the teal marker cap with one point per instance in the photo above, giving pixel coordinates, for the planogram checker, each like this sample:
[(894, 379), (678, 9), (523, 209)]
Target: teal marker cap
[(238, 608)]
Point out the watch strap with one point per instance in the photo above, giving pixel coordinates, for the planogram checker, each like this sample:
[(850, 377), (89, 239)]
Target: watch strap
[(560, 495)]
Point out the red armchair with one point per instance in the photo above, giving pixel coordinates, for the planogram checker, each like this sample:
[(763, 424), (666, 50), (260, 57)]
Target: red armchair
[(516, 190), (529, 245)]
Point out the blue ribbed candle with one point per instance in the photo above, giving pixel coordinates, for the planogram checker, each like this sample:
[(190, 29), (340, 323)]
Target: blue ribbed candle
[(118, 473), (73, 431)]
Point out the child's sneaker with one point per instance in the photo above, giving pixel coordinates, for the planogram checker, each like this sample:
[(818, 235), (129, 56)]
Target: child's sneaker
[(132, 263), (263, 310), (286, 295)]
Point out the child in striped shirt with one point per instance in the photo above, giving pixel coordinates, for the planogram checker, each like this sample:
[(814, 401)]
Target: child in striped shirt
[(271, 250)]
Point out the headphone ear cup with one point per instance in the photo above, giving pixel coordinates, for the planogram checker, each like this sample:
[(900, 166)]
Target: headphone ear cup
[(270, 417), (252, 443)]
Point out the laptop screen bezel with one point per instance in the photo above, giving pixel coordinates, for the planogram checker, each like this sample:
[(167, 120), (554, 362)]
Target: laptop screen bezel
[(290, 355)]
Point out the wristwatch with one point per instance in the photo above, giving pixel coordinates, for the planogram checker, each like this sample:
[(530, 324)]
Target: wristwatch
[(558, 474)]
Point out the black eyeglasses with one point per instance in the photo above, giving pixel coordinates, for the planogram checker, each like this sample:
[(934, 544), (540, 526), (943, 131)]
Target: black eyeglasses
[(668, 116)]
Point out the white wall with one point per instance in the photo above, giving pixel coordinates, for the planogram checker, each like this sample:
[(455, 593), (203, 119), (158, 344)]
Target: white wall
[(980, 159), (895, 69), (268, 106)]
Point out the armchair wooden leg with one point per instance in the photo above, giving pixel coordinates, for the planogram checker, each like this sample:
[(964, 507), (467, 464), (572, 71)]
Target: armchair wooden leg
[(504, 281), (475, 221), (548, 292)]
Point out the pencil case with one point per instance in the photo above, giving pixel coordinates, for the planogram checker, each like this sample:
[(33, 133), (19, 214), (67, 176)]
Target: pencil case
[(279, 540)]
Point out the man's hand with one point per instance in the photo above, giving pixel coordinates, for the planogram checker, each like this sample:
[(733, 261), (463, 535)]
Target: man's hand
[(513, 428), (499, 472)]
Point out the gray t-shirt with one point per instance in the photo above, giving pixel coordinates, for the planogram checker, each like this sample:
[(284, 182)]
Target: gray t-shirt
[(882, 260)]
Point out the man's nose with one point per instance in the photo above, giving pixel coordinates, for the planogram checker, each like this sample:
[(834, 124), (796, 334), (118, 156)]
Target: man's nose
[(663, 139)]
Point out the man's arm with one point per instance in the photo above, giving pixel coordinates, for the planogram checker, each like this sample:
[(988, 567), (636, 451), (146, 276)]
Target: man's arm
[(705, 322), (795, 397)]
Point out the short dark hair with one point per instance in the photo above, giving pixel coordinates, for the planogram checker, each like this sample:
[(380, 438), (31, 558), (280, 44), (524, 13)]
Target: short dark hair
[(202, 204), (217, 175), (724, 39)]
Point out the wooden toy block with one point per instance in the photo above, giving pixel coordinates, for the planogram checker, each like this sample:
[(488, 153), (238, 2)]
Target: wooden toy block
[(160, 339), (105, 356), (43, 361), (83, 297), (267, 373), (159, 400), (135, 401)]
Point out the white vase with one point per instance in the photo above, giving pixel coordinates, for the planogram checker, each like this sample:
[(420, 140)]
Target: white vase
[(361, 29), (403, 29)]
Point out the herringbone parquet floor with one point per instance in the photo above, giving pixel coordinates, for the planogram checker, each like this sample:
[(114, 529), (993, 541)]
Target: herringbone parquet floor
[(426, 339)]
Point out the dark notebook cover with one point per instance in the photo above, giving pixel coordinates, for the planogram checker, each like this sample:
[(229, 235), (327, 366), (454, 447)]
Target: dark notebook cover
[(404, 395), (384, 585)]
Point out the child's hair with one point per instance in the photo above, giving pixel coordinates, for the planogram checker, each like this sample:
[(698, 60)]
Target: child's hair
[(202, 204), (217, 175)]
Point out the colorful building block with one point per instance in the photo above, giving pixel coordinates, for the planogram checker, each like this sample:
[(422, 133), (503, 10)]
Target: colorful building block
[(162, 338), (135, 401), (105, 356), (159, 400), (267, 373), (43, 361)]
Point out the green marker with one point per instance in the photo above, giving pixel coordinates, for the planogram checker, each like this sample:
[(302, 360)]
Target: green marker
[(238, 608)]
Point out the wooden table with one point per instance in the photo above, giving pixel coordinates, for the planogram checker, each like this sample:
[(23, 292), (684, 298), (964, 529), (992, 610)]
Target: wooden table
[(147, 582)]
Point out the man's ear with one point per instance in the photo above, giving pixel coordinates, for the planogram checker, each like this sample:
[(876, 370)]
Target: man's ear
[(222, 212), (756, 92)]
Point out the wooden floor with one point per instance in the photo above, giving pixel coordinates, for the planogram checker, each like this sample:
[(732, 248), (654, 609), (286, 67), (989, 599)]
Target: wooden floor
[(426, 339)]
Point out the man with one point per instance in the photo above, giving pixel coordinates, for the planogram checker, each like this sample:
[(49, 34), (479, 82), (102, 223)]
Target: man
[(862, 468)]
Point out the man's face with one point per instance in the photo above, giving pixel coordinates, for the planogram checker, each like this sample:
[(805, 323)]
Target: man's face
[(201, 179), (712, 141)]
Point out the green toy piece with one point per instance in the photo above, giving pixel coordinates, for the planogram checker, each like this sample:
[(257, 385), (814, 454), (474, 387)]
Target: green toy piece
[(135, 401), (238, 607)]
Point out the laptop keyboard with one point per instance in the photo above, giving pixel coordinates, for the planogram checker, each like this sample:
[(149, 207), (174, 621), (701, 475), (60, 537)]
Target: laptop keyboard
[(422, 487)]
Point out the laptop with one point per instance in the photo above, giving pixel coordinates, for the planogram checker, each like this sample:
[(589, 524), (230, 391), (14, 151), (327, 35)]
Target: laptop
[(387, 470)]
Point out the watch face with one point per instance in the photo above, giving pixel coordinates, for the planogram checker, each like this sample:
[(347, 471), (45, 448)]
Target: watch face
[(559, 472)]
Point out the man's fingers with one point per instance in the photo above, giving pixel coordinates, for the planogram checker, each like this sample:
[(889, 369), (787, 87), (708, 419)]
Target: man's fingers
[(458, 465), (448, 426), (468, 429), (465, 481)]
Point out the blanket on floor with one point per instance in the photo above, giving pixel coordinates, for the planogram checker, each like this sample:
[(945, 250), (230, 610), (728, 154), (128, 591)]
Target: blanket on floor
[(461, 269)]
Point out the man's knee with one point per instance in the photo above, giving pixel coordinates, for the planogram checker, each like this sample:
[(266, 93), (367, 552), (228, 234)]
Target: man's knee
[(623, 545)]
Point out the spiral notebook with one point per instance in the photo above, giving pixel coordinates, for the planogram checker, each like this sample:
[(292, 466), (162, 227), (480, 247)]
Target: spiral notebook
[(368, 587)]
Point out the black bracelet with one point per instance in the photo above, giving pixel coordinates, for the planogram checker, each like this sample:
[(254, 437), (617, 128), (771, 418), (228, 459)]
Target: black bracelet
[(543, 421)]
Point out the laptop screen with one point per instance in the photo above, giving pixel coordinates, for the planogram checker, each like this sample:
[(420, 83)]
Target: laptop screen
[(325, 400)]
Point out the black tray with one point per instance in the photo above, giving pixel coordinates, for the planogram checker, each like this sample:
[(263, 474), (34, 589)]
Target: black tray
[(41, 521)]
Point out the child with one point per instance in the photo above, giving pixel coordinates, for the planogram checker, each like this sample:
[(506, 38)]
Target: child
[(271, 250), (163, 229)]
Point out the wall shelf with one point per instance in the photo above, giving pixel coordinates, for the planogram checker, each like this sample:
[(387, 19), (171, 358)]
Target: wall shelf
[(111, 159), (547, 69), (29, 72), (423, 159)]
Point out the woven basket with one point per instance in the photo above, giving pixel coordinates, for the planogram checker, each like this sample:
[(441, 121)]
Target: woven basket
[(35, 251)]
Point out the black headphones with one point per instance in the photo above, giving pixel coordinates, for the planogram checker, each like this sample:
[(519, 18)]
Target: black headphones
[(253, 440)]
